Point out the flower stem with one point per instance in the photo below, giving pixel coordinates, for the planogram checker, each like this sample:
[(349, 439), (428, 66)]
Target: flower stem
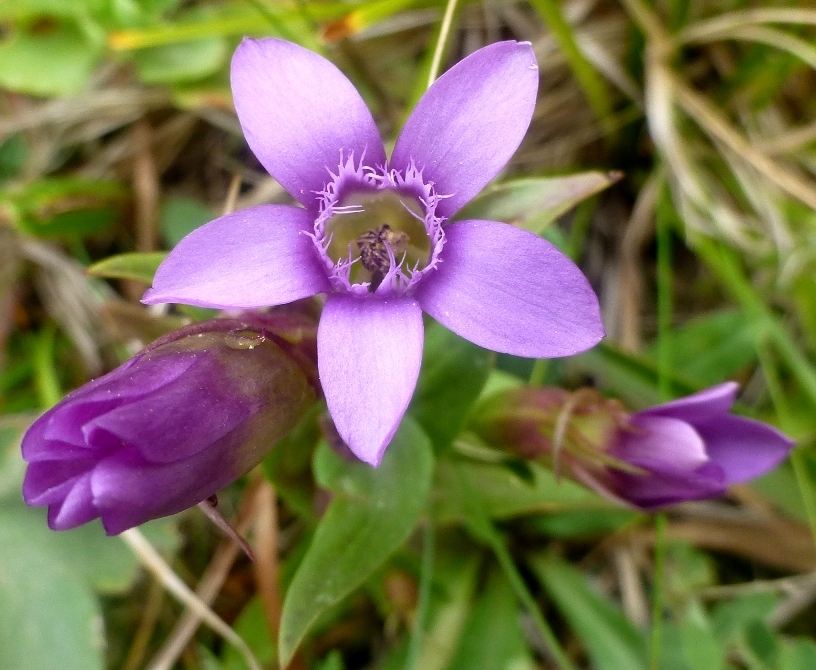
[(664, 297), (805, 484), (658, 591), (447, 20), (425, 582)]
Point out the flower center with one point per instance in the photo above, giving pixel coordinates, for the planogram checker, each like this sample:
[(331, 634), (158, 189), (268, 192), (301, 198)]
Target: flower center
[(377, 230), (374, 230)]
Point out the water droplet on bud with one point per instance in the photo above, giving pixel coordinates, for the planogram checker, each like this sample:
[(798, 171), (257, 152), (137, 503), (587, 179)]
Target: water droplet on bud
[(244, 339)]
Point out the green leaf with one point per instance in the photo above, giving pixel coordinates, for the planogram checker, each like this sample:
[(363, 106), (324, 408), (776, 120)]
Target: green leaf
[(610, 639), (535, 202), (799, 654), (139, 266), (47, 57), (373, 512), (179, 63), (582, 523), (494, 617), (50, 618), (713, 347), (633, 378), (701, 648), (729, 618), (453, 374), (181, 216), (253, 628), (504, 494), (65, 207)]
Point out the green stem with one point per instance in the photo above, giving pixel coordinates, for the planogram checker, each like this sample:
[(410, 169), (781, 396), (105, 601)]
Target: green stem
[(423, 604), (664, 301), (539, 371), (523, 594), (593, 86), (805, 484), (765, 324), (45, 372), (444, 31), (658, 595), (272, 20)]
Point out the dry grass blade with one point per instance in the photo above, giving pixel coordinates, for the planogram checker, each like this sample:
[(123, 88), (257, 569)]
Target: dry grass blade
[(708, 29), (153, 562), (770, 36), (714, 124), (208, 588)]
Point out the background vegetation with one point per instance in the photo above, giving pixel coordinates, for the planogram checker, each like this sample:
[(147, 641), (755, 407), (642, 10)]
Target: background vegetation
[(688, 129)]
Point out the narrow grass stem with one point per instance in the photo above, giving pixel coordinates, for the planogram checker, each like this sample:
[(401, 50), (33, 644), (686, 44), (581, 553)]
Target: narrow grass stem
[(444, 31), (156, 565), (423, 603), (45, 372), (510, 570), (658, 592), (806, 489), (664, 301)]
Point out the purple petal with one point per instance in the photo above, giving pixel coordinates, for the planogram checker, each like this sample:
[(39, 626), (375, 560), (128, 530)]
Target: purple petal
[(369, 353), (76, 509), (299, 114), (189, 415), (254, 258), (48, 482), (511, 291), (668, 485), (129, 491), (471, 121), (713, 402), (657, 440), (744, 448)]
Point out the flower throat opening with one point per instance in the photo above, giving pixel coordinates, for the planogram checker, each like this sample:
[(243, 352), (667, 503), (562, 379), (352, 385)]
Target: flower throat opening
[(377, 231)]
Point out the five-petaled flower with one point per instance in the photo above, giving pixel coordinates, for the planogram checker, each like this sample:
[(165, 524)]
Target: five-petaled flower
[(376, 234)]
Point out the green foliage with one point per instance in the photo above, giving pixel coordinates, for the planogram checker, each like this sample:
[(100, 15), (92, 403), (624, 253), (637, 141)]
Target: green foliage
[(371, 515), (610, 639), (728, 177), (535, 202), (136, 265), (453, 374)]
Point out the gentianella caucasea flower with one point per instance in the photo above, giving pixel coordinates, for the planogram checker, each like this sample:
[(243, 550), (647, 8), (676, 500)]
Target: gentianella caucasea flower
[(183, 418), (692, 448), (376, 234)]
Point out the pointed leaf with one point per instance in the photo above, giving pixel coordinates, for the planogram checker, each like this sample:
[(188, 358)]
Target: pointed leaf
[(534, 203), (610, 639), (453, 374), (372, 514), (139, 266)]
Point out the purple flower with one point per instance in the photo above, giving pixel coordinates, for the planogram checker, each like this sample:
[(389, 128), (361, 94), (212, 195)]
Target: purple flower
[(688, 449), (375, 235), (188, 415), (692, 449)]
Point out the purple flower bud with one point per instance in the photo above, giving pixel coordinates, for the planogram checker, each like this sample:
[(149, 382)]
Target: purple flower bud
[(688, 449), (192, 412)]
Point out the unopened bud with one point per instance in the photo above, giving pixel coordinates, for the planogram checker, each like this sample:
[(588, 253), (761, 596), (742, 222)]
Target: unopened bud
[(189, 414)]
